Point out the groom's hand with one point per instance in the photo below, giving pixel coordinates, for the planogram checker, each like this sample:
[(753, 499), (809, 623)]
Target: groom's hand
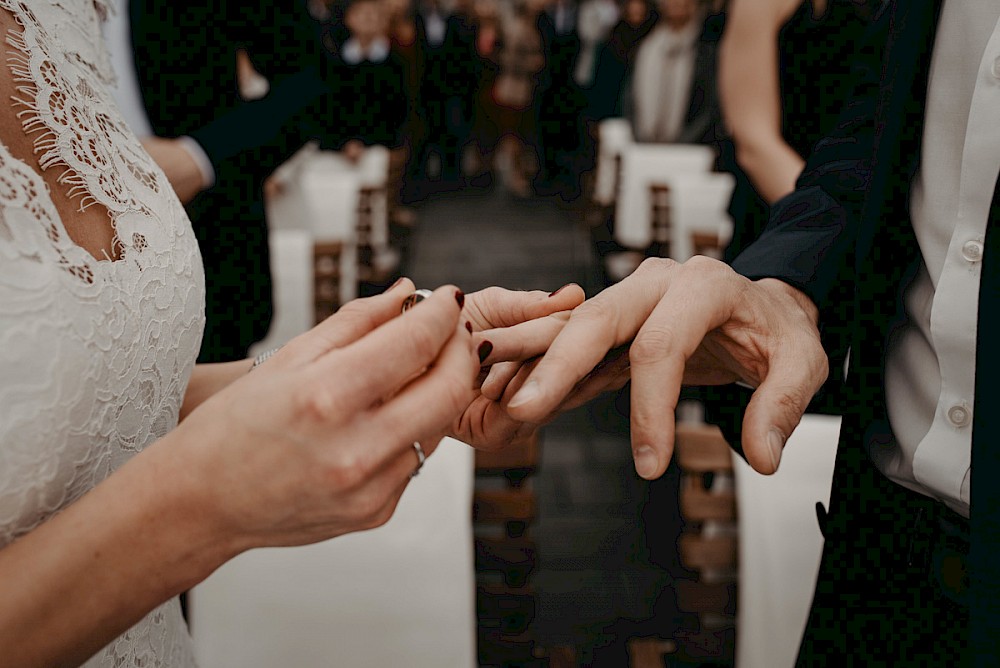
[(697, 323)]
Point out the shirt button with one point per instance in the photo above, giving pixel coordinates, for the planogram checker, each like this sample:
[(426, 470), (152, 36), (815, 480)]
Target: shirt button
[(959, 415), (972, 251)]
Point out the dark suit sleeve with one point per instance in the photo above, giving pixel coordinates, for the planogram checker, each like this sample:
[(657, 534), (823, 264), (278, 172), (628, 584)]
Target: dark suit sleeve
[(810, 239), (268, 123)]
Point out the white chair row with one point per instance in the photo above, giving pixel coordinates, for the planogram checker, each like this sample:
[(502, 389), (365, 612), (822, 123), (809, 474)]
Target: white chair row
[(629, 172)]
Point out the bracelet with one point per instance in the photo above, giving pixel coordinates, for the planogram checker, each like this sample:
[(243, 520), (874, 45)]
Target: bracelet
[(263, 357)]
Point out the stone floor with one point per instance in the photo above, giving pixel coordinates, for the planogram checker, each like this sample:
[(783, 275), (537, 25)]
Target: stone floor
[(597, 582)]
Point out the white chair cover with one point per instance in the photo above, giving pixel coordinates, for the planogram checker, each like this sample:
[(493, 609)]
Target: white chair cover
[(399, 595), (780, 544), (292, 280), (614, 135), (699, 203), (642, 165)]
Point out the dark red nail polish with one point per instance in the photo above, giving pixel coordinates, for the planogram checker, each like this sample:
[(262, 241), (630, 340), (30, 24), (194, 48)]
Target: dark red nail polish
[(555, 292), (468, 326), (460, 298), (485, 348)]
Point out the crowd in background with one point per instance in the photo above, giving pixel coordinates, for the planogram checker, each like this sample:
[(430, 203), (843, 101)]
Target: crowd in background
[(481, 91)]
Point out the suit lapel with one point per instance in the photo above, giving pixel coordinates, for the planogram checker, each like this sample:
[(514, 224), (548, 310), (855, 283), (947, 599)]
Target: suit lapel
[(984, 564)]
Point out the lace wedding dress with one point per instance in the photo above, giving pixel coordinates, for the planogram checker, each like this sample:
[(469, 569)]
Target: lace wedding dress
[(95, 355)]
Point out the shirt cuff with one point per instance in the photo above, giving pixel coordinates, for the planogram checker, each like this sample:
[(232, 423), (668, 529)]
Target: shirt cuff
[(200, 158)]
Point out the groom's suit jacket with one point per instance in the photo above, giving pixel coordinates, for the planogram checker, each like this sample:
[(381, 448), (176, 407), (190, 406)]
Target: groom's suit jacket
[(845, 238)]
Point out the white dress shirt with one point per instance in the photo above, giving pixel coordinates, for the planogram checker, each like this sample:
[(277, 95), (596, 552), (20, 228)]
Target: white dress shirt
[(931, 366), (661, 85)]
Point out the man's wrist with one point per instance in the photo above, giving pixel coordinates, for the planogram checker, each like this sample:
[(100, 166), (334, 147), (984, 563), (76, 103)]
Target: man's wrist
[(779, 287), (200, 159)]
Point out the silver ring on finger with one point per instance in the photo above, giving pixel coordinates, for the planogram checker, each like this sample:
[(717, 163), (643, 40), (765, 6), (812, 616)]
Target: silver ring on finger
[(421, 458)]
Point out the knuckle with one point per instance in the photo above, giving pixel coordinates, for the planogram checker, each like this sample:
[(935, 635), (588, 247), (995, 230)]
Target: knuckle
[(345, 472), (702, 262), (316, 403), (656, 264), (424, 341), (356, 310), (653, 344)]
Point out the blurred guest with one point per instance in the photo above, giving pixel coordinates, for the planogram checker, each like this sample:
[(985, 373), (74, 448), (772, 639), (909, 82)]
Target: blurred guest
[(521, 65), (614, 60), (447, 53), (367, 100), (489, 119), (193, 48), (560, 101), (403, 43), (784, 74), (674, 94), (594, 23)]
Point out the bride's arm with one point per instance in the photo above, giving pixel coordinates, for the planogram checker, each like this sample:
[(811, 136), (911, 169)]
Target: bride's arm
[(207, 379), (73, 584), (304, 449)]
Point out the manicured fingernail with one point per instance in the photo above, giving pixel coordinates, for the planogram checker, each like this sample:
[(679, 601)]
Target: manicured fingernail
[(460, 298), (396, 284), (468, 326), (526, 394), (555, 292), (775, 444), (485, 348), (645, 461)]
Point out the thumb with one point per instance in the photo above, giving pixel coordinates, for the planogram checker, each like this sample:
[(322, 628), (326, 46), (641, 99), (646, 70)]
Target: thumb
[(775, 411)]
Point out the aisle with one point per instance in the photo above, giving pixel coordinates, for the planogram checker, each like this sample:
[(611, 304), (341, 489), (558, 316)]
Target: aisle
[(480, 239), (595, 584)]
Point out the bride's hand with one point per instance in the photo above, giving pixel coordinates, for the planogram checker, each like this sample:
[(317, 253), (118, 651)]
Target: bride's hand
[(510, 329), (318, 441)]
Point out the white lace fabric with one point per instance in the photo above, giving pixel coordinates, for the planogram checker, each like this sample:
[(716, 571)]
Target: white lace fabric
[(95, 355)]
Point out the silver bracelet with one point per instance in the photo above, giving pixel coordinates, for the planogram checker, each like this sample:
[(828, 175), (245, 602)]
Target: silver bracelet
[(263, 357)]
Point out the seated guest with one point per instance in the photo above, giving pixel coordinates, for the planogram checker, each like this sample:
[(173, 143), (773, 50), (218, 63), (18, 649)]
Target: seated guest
[(446, 48), (366, 104), (674, 97), (615, 59), (560, 102)]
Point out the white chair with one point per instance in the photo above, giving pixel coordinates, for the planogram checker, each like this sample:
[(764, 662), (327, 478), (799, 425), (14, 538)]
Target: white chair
[(699, 204), (614, 135), (780, 544), (643, 165), (399, 595)]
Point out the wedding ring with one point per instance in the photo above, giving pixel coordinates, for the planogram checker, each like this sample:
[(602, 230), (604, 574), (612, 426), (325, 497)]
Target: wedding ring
[(414, 299), (421, 458)]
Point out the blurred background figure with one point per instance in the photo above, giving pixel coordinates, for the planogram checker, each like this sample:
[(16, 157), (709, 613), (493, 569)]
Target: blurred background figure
[(615, 58), (367, 100), (785, 73), (594, 24), (194, 49), (522, 67), (674, 96), (490, 120), (560, 102), (446, 49)]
